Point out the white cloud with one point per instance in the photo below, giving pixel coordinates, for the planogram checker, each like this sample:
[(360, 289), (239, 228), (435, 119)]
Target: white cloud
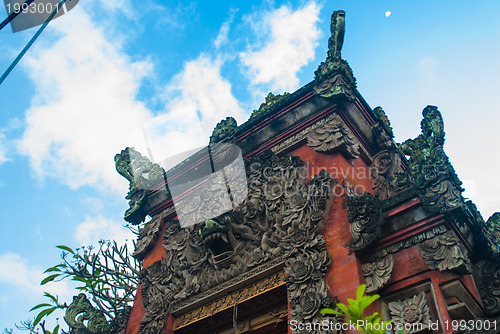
[(85, 106), (196, 99), (222, 37), (290, 39), (3, 149), (19, 275), (97, 228)]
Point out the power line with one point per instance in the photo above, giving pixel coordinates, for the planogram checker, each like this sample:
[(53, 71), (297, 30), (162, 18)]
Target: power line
[(15, 13), (30, 43)]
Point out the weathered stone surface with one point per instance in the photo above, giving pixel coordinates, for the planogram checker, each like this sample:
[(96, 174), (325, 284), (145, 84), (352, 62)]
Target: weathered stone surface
[(279, 221), (429, 168), (378, 273), (487, 278), (445, 252), (411, 311), (333, 136), (142, 176), (365, 216)]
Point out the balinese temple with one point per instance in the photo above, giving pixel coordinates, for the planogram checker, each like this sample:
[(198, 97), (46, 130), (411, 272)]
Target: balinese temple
[(291, 211)]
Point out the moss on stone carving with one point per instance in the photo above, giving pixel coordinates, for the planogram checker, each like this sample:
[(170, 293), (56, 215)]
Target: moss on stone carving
[(271, 102)]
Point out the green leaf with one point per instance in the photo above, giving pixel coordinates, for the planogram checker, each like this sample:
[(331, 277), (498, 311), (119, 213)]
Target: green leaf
[(343, 308), (54, 268), (361, 291), (56, 330), (79, 279), (42, 314), (48, 295), (327, 310), (49, 279), (66, 248), (40, 305)]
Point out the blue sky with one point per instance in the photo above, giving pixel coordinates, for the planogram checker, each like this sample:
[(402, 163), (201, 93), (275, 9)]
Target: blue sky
[(106, 67)]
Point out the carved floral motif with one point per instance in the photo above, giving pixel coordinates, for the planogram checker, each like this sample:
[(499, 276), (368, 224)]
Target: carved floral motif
[(487, 278), (365, 216), (378, 273), (411, 311), (445, 252), (333, 136), (280, 219)]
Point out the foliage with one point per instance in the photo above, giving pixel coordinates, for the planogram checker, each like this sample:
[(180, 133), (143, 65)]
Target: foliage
[(371, 324), (108, 275)]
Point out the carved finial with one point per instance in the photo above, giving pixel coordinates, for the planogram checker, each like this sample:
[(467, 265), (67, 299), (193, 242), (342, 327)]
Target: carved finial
[(337, 39)]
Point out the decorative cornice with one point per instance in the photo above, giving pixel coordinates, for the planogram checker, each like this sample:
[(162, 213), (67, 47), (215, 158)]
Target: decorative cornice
[(407, 243), (333, 136), (365, 216), (230, 300), (378, 273), (300, 136), (445, 252)]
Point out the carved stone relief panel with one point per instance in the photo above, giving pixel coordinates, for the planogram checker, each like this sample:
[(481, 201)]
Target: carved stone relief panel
[(411, 311), (445, 252), (378, 273), (487, 278), (365, 216), (333, 136), (280, 220)]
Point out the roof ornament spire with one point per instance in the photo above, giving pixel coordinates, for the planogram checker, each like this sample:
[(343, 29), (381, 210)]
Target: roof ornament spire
[(336, 40), (334, 78)]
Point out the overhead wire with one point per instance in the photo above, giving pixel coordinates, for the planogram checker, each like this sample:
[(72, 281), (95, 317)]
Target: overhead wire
[(31, 41), (14, 14)]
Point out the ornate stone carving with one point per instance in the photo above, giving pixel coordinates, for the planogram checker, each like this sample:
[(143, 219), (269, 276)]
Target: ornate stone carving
[(429, 168), (271, 101), (413, 310), (445, 252), (334, 78), (143, 176), (407, 243), (83, 318), (280, 218), (365, 216), (230, 300), (385, 167), (383, 123), (378, 273), (148, 234), (333, 136), (487, 278), (336, 40), (335, 86), (225, 131), (493, 225)]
